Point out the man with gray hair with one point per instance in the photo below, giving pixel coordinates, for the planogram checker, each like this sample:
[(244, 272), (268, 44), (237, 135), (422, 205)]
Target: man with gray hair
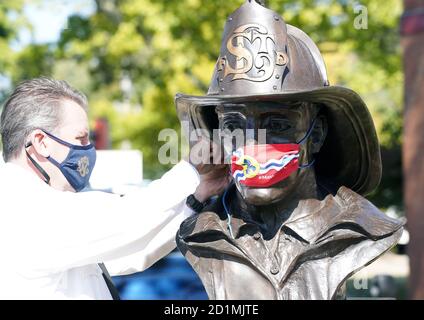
[(53, 239)]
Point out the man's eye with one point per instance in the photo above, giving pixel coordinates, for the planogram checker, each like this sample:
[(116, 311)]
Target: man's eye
[(83, 140)]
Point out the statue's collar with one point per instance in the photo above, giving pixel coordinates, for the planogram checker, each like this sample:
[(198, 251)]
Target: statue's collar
[(312, 220)]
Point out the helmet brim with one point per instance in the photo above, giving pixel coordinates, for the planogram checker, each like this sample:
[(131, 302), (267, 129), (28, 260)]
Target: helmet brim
[(350, 155)]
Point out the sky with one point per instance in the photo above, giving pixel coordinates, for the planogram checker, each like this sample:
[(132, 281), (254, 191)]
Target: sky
[(49, 17)]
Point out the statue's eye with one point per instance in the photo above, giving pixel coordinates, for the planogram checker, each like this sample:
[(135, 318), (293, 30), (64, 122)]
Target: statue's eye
[(278, 125), (232, 124)]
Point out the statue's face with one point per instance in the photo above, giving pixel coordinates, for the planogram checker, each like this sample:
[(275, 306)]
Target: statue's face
[(284, 123)]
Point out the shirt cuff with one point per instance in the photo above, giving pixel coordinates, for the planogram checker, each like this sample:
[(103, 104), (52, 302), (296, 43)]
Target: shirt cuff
[(188, 171), (187, 211)]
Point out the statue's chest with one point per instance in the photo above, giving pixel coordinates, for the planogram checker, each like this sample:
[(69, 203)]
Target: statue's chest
[(260, 269)]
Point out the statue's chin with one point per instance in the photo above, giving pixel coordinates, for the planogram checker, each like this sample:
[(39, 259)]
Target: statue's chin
[(272, 194), (262, 196)]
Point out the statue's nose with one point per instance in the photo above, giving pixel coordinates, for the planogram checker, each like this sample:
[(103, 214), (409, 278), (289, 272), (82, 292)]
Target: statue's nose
[(250, 129), (254, 133)]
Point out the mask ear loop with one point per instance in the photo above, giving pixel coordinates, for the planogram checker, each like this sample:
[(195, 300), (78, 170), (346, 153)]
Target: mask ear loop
[(309, 132), (310, 164), (67, 144), (230, 229), (36, 165), (307, 135)]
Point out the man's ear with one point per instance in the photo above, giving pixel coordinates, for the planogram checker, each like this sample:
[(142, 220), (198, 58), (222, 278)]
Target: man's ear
[(40, 143), (319, 133)]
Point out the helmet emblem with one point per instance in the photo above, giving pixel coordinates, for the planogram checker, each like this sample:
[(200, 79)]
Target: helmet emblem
[(254, 52)]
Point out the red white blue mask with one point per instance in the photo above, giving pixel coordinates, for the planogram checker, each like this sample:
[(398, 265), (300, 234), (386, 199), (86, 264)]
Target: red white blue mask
[(263, 165)]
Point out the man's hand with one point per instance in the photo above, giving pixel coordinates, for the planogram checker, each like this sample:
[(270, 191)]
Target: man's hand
[(214, 178), (213, 182)]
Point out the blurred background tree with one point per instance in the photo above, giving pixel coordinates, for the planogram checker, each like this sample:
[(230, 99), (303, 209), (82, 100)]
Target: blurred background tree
[(11, 20), (412, 30), (132, 56)]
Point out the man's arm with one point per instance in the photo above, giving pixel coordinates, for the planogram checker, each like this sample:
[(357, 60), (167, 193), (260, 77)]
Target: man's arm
[(94, 227), (213, 180), (159, 246)]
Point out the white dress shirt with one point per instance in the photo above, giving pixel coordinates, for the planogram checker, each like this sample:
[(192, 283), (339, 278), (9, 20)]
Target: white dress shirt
[(51, 241)]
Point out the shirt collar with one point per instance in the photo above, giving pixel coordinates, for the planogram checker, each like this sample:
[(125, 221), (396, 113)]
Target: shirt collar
[(21, 174)]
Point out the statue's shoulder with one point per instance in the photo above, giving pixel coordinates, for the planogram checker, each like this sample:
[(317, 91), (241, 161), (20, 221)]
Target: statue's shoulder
[(343, 215), (209, 220), (361, 213), (345, 232)]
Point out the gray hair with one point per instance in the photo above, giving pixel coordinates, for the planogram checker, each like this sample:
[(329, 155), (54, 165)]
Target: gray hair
[(34, 104)]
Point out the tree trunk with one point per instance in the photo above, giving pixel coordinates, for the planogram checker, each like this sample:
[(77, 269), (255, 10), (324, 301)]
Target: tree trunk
[(412, 30)]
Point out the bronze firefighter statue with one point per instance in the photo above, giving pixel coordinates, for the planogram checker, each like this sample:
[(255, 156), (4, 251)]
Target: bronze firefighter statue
[(294, 224)]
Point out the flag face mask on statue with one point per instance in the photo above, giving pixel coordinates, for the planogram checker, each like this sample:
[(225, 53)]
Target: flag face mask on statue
[(263, 165)]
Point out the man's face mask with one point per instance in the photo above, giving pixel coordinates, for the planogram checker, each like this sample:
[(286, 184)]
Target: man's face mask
[(78, 165), (264, 165)]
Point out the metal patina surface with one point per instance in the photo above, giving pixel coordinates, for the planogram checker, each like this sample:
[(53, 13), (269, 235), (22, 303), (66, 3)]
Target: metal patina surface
[(302, 237)]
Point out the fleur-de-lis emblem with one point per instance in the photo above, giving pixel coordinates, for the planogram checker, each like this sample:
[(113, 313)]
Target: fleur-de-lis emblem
[(83, 166), (255, 54), (250, 166)]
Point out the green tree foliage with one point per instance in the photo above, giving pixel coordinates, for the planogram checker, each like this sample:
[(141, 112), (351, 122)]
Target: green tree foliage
[(10, 20)]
